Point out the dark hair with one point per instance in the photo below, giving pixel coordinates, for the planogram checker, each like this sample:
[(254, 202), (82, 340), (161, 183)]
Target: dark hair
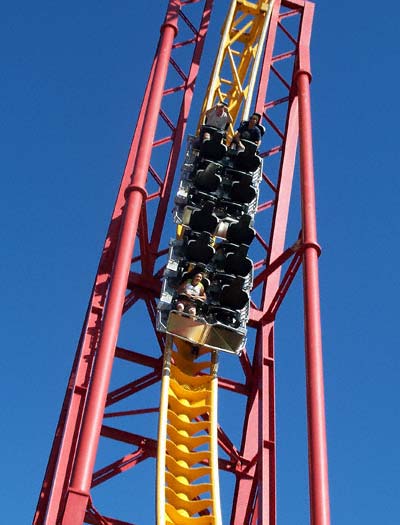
[(258, 115)]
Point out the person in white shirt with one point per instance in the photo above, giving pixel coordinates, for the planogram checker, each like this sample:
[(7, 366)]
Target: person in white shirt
[(217, 117), (188, 291)]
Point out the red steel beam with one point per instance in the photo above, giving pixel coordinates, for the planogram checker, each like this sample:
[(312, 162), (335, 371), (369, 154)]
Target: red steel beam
[(251, 504), (78, 491), (317, 446)]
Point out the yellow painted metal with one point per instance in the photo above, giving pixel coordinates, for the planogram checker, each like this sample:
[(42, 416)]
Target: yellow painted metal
[(179, 231), (162, 435), (236, 65), (187, 462), (214, 436), (187, 435)]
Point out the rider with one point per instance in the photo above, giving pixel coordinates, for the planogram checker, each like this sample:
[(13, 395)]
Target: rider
[(248, 130), (188, 291), (217, 117)]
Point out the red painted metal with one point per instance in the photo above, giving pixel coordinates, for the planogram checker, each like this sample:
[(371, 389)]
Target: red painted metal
[(251, 504), (256, 501), (130, 273), (78, 490), (318, 458)]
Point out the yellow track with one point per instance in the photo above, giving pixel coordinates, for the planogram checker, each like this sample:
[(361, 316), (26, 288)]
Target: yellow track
[(187, 462), (187, 459), (236, 65)]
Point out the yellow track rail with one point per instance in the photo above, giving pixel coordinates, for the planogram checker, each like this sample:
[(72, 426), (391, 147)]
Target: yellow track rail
[(187, 461), (236, 65)]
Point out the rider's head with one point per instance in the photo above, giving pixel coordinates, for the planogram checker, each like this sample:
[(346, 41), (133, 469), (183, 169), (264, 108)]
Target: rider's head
[(255, 119), (197, 278)]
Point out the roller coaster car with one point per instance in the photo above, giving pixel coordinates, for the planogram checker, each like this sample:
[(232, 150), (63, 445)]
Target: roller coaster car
[(215, 206), (220, 320)]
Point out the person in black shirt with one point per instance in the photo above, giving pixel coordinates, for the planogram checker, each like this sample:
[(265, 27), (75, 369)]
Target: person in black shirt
[(248, 130)]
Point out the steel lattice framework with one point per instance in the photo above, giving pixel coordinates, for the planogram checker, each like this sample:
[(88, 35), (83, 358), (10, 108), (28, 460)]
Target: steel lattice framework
[(130, 271)]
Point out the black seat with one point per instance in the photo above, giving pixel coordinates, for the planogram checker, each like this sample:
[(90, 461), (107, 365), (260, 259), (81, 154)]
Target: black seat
[(226, 316), (261, 128), (237, 175), (219, 258), (247, 160), (232, 209), (199, 198), (249, 164), (222, 249), (242, 192), (223, 277), (233, 296), (237, 263), (207, 180), (215, 133), (213, 149), (200, 250), (210, 166), (204, 219), (245, 178), (240, 232)]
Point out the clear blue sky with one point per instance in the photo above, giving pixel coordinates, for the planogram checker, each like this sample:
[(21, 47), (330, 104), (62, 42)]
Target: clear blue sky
[(72, 78)]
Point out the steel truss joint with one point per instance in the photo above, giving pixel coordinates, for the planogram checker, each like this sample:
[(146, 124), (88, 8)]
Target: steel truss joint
[(133, 187), (313, 245), (300, 72)]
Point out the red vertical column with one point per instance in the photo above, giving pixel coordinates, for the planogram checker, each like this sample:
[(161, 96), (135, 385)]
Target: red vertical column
[(78, 493), (318, 461)]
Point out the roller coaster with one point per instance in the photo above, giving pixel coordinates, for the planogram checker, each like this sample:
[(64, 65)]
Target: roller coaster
[(223, 195)]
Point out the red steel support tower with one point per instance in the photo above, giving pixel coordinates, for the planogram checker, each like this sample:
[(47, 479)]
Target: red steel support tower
[(128, 283)]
